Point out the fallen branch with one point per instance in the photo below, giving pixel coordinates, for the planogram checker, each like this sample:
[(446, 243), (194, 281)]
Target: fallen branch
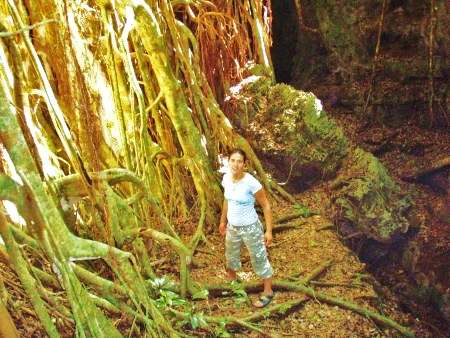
[(207, 252), (279, 243)]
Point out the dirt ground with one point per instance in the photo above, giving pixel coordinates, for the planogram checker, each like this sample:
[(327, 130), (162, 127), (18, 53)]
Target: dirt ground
[(300, 250), (294, 251)]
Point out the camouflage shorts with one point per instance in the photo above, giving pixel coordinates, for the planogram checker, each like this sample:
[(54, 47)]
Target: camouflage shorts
[(253, 238)]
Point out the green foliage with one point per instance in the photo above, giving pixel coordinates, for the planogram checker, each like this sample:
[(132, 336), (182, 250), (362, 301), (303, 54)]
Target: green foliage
[(312, 243), (164, 288), (221, 330), (240, 296), (169, 298), (284, 308), (195, 320), (369, 198), (202, 294), (161, 283), (305, 212)]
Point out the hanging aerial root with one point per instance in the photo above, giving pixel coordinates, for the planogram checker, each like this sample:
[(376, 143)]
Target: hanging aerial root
[(71, 186), (133, 285), (29, 284), (7, 327)]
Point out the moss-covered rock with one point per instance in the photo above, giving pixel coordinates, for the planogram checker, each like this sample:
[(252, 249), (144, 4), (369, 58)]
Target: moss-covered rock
[(367, 200), (338, 25), (290, 130), (291, 127)]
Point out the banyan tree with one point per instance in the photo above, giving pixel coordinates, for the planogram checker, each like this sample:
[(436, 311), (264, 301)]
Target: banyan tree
[(111, 127)]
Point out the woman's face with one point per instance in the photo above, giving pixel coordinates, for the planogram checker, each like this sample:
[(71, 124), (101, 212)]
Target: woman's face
[(236, 164)]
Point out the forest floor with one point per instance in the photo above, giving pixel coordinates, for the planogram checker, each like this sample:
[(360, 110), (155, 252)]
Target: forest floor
[(406, 149), (302, 249), (294, 251), (385, 286)]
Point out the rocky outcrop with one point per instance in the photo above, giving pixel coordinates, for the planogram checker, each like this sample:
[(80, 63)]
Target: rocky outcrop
[(289, 129)]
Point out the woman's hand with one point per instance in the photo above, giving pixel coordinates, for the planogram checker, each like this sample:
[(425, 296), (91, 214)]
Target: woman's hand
[(261, 197), (223, 218), (223, 228), (268, 237)]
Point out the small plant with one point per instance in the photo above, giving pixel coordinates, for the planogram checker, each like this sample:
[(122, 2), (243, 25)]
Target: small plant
[(240, 296), (169, 298), (202, 294), (195, 320), (303, 209), (221, 330)]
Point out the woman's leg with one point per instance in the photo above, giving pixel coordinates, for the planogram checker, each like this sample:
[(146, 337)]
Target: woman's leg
[(254, 240), (267, 286), (233, 242)]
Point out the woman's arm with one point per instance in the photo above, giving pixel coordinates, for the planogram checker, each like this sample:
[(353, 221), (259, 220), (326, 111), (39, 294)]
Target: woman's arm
[(262, 200), (223, 218)]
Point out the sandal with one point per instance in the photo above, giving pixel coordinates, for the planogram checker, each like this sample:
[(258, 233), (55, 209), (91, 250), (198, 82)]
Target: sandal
[(264, 300)]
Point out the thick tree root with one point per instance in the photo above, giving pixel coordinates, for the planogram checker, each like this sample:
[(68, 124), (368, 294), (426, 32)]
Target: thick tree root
[(219, 290), (348, 305), (333, 284), (287, 226), (290, 217), (316, 272), (276, 309), (246, 322)]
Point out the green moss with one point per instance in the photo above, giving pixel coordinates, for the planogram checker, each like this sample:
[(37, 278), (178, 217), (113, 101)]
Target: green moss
[(337, 27), (370, 199), (290, 126), (312, 137)]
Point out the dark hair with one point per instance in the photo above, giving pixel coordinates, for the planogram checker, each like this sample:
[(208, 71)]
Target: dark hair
[(238, 151)]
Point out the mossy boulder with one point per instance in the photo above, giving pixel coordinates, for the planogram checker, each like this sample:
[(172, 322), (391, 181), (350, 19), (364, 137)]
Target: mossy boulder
[(292, 133), (367, 200), (289, 127)]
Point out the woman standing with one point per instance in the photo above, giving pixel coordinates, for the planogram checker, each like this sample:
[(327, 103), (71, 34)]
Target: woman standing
[(239, 223)]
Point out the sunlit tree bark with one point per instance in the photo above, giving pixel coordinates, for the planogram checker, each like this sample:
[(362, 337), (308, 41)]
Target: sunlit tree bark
[(113, 129)]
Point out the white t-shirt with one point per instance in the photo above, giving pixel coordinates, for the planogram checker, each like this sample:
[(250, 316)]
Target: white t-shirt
[(241, 199)]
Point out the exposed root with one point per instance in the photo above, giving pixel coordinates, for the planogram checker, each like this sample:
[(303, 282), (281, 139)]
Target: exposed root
[(283, 285)]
